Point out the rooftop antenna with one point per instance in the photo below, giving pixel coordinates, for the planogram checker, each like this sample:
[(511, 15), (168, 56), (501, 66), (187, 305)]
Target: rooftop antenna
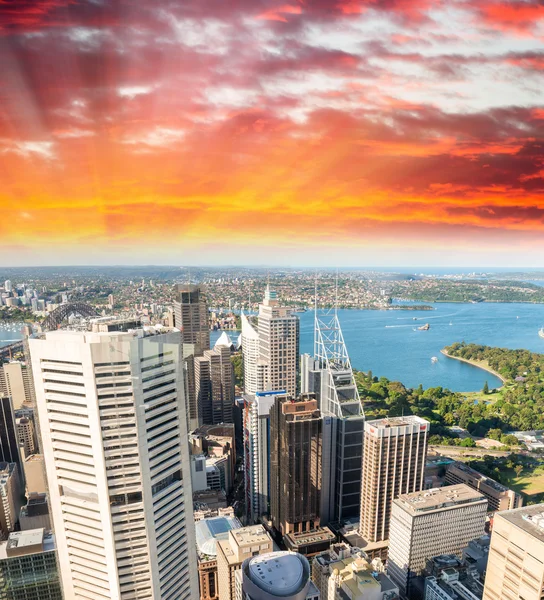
[(315, 315), (336, 294)]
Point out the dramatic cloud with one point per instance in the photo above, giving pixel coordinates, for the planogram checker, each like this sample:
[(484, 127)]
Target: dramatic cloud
[(213, 127)]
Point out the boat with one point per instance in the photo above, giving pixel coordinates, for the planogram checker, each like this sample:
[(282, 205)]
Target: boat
[(451, 323), (541, 332), (434, 359), (424, 327)]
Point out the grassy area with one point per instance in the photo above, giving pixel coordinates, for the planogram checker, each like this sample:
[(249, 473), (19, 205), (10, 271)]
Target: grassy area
[(483, 398), (531, 484)]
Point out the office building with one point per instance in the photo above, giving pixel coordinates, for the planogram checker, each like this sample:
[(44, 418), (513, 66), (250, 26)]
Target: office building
[(499, 497), (9, 441), (214, 381), (28, 568), (295, 473), (34, 471), (15, 381), (191, 317), (516, 558), (254, 369), (208, 533), (25, 433), (329, 376), (295, 463), (395, 450), (114, 435), (8, 286), (35, 513), (256, 428), (344, 572), (452, 586), (279, 333), (10, 497), (283, 575), (231, 553), (429, 523)]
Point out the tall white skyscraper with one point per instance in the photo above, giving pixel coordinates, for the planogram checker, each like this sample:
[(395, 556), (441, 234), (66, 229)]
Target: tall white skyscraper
[(8, 285), (114, 434), (271, 351)]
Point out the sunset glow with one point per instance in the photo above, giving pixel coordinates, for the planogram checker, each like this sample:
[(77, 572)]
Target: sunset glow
[(338, 132)]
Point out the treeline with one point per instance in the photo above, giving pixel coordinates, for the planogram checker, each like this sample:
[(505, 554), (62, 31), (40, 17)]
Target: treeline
[(520, 406)]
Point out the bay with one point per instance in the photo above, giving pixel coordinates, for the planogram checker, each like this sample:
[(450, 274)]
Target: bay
[(389, 344)]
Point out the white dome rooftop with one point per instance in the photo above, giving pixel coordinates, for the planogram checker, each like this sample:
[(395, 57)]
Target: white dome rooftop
[(279, 573)]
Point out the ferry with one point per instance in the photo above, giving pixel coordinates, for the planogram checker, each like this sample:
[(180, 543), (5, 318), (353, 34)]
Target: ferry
[(424, 327), (541, 332), (434, 359)]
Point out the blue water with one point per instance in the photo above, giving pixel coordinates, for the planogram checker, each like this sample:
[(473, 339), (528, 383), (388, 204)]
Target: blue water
[(400, 353), (10, 332)]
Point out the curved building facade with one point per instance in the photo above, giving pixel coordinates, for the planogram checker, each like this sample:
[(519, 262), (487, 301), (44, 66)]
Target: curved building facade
[(274, 575)]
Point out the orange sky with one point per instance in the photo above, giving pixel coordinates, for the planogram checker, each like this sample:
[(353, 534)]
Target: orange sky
[(304, 132)]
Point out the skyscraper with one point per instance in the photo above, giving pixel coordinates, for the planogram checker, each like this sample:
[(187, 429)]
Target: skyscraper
[(214, 386), (295, 464), (395, 450), (9, 440), (191, 317), (431, 523), (330, 377), (25, 434), (515, 568), (279, 333), (253, 369), (15, 382), (114, 435), (256, 427)]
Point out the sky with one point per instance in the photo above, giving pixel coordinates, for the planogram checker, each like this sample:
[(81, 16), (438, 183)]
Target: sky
[(288, 132)]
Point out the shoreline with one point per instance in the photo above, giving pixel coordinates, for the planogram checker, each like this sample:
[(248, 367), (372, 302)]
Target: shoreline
[(477, 365)]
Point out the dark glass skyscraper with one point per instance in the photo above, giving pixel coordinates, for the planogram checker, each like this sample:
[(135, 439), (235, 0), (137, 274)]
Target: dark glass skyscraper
[(9, 445), (191, 317)]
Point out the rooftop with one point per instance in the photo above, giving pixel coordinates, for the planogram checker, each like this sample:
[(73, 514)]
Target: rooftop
[(479, 476), (279, 573), (528, 518), (439, 498), (208, 531), (388, 422), (21, 543)]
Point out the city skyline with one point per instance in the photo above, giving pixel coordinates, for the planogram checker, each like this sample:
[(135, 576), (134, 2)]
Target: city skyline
[(320, 132)]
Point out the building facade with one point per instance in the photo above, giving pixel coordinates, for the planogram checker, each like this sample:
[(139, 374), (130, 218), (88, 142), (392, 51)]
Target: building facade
[(10, 497), (114, 434), (25, 434), (28, 567), (15, 381), (295, 464), (191, 316), (9, 440), (283, 575), (231, 553), (430, 523), (214, 381), (395, 451), (515, 568), (499, 497)]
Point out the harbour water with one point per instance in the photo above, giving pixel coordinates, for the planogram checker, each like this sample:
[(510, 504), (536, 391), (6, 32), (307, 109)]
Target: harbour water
[(389, 344)]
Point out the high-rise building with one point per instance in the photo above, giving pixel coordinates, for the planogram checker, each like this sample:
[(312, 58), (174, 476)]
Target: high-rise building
[(35, 513), (253, 369), (25, 433), (28, 567), (191, 317), (515, 568), (295, 471), (214, 379), (499, 497), (8, 285), (395, 450), (231, 553), (277, 367), (114, 435), (256, 426), (10, 497), (34, 471), (430, 523), (344, 572), (15, 381), (330, 377), (275, 575), (9, 440)]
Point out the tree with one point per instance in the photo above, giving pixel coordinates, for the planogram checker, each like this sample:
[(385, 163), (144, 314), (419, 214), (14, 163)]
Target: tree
[(518, 469), (486, 388), (468, 443), (238, 364)]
